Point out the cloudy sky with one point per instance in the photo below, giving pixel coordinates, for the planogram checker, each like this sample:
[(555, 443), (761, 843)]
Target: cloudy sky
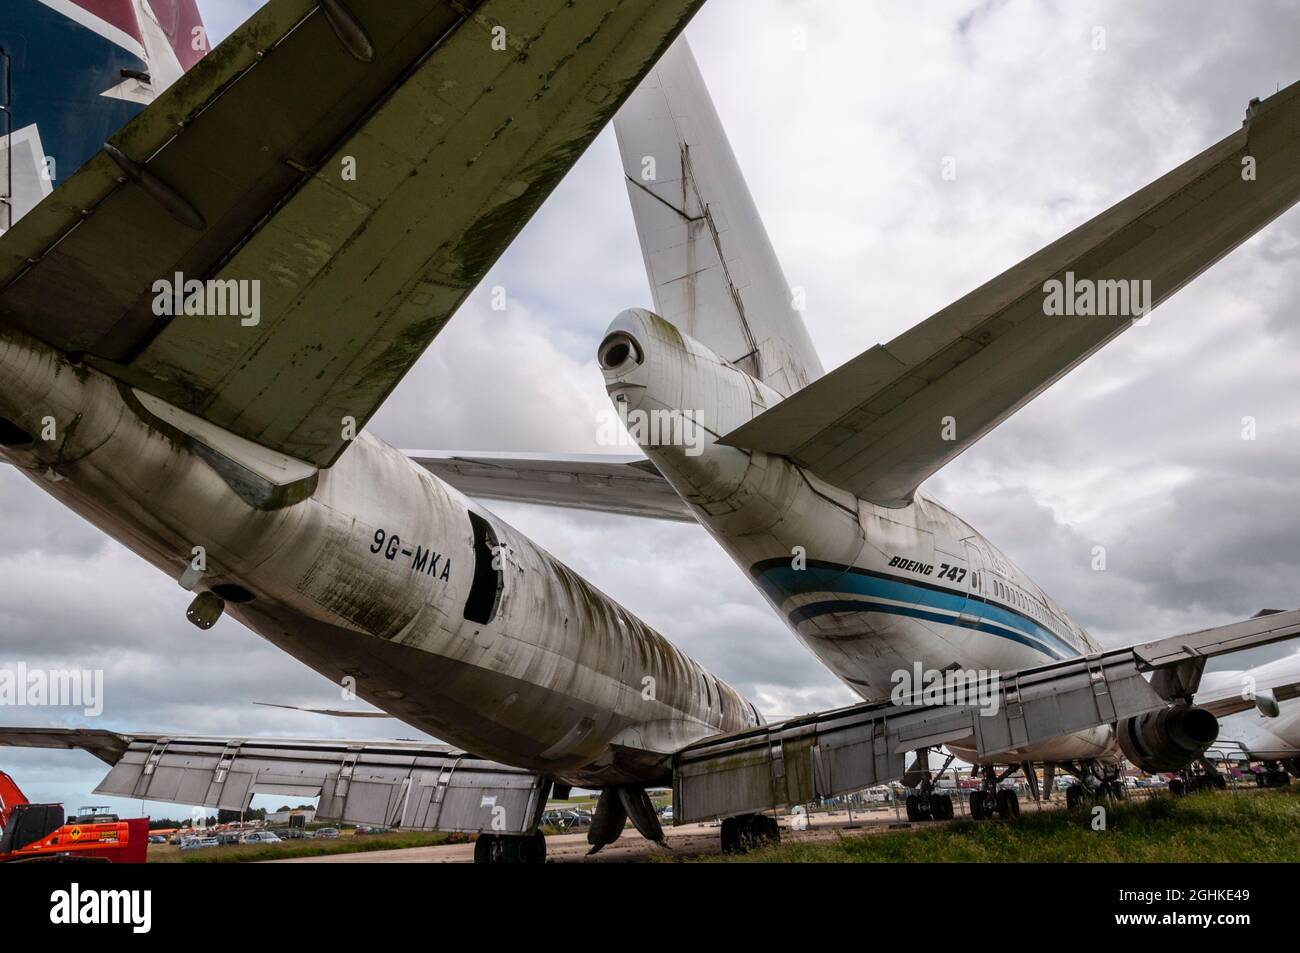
[(841, 114)]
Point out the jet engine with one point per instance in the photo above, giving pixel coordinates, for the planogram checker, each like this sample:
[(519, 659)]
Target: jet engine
[(1166, 740)]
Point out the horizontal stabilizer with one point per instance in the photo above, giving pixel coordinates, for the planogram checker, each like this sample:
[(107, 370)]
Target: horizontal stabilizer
[(329, 197), (892, 416), (629, 485)]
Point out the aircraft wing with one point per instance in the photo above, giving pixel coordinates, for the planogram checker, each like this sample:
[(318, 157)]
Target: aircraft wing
[(798, 760), (629, 485), (364, 163), (421, 786), (875, 426), (408, 784)]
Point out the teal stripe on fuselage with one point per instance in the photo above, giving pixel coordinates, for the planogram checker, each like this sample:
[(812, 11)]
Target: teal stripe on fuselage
[(782, 581)]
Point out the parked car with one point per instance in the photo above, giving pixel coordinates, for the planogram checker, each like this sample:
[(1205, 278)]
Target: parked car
[(327, 832), (258, 837), (157, 839), (191, 843)]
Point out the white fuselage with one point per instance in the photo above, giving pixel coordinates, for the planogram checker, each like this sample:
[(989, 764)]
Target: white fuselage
[(871, 591), (372, 571), (1256, 733)]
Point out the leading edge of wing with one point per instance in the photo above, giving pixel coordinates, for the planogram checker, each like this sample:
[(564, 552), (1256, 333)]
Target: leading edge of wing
[(876, 425)]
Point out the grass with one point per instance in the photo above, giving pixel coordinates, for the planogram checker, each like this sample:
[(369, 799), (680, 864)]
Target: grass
[(252, 853), (1247, 827)]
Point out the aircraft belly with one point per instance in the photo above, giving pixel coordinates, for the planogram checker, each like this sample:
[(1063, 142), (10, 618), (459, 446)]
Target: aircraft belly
[(371, 565), (493, 714)]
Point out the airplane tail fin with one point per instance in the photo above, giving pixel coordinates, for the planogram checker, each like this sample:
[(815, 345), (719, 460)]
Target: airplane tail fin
[(74, 72), (712, 269)]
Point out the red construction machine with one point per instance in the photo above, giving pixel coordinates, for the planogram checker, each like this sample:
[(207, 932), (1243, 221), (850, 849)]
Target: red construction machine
[(40, 832)]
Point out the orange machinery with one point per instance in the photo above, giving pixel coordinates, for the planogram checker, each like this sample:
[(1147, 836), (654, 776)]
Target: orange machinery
[(38, 832)]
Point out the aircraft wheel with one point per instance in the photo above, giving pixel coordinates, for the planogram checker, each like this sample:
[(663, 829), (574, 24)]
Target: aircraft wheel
[(738, 834), (942, 807), (766, 830), (1008, 804), (1177, 788), (532, 849), (1073, 797), (1117, 790), (509, 849), (1218, 782), (913, 808), (977, 805)]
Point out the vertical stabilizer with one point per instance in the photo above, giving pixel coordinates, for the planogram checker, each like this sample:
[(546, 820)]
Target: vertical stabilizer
[(712, 269)]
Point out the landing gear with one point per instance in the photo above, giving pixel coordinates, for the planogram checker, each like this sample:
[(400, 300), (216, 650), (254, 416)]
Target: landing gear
[(744, 832), (926, 804), (1191, 780), (1074, 796), (1272, 776), (510, 848), (992, 801)]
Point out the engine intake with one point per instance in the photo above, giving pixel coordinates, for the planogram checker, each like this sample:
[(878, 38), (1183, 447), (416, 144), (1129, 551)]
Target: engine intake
[(1168, 739)]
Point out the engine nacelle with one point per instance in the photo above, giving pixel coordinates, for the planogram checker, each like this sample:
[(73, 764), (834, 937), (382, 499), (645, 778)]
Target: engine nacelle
[(1168, 739)]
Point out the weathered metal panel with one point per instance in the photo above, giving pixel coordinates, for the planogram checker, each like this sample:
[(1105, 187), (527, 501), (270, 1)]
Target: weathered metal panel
[(399, 784), (835, 752)]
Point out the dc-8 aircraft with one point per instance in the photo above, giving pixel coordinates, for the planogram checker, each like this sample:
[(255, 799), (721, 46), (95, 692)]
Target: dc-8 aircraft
[(197, 322)]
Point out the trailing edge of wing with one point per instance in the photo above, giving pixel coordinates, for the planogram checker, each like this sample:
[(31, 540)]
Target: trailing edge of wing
[(408, 784), (623, 484), (875, 425)]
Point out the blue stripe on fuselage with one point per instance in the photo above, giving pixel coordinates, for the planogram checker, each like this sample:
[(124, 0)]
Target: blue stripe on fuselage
[(781, 581)]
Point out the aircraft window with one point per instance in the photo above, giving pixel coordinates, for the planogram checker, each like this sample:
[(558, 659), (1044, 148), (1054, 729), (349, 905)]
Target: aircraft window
[(485, 591)]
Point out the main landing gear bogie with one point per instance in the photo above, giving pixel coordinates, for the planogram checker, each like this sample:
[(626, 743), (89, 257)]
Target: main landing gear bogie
[(1273, 776), (744, 832), (1000, 802), (929, 807), (510, 848)]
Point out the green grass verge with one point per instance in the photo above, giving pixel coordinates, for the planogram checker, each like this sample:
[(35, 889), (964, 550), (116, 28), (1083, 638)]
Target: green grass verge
[(1249, 826), (288, 850)]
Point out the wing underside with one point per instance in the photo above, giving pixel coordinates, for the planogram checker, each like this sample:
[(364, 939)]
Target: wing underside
[(401, 784), (358, 167)]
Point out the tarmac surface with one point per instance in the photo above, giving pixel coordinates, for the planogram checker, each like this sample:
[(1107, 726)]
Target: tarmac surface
[(688, 840)]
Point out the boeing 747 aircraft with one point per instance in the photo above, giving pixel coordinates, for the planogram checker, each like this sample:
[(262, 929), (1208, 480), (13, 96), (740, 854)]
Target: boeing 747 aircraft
[(197, 323)]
